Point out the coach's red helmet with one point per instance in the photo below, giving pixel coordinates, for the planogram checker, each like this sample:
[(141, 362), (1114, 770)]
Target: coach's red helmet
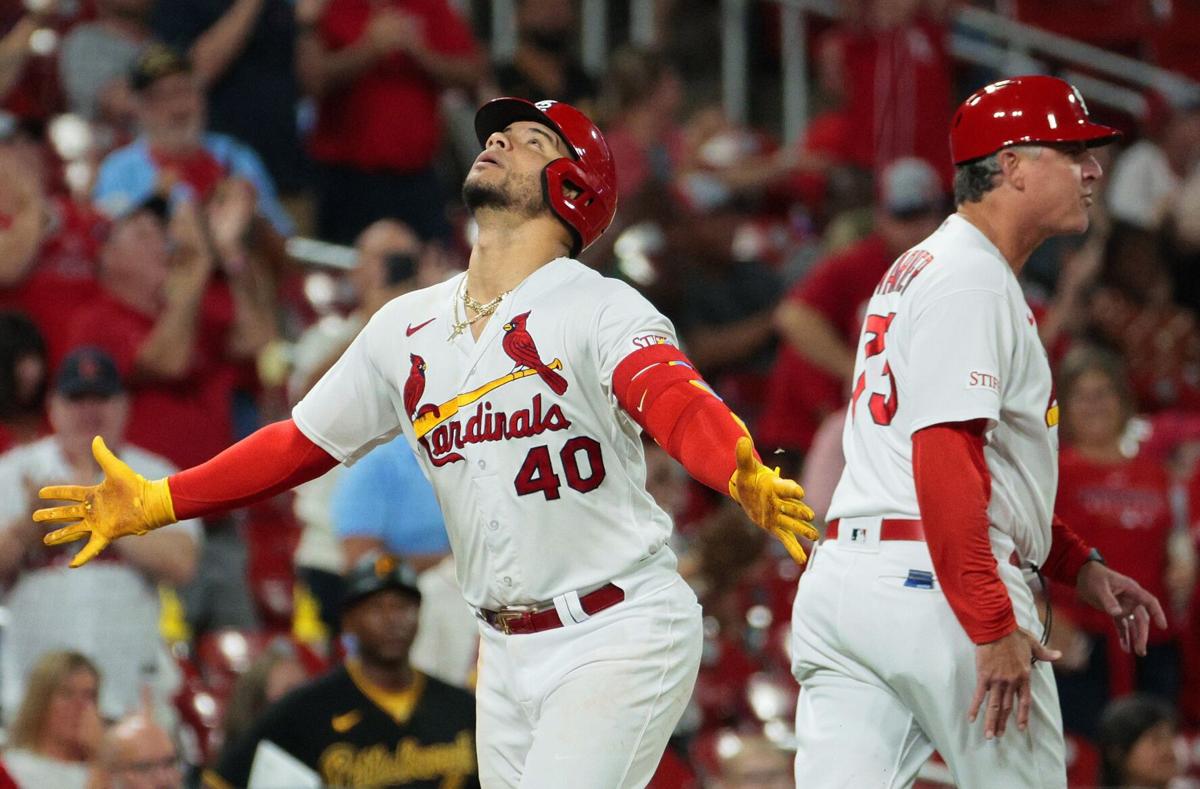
[(1032, 109), (591, 172)]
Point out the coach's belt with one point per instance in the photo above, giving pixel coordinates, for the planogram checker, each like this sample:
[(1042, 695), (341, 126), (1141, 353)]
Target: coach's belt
[(545, 616), (889, 529)]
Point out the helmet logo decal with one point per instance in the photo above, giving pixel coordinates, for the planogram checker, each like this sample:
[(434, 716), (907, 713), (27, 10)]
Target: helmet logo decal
[(545, 104)]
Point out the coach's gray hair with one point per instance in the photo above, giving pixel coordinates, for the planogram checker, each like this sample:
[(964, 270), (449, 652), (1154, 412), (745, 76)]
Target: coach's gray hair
[(976, 178)]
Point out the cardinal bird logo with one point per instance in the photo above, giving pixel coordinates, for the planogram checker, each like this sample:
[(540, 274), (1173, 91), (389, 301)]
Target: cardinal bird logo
[(414, 387), (519, 346)]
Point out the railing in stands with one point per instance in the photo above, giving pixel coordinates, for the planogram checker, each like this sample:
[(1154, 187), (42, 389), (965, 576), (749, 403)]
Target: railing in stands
[(977, 36)]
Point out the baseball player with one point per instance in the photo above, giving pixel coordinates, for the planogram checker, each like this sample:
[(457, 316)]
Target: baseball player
[(523, 385), (916, 619)]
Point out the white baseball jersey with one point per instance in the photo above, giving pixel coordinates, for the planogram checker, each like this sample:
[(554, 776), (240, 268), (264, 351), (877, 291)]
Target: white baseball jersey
[(539, 472), (948, 337)]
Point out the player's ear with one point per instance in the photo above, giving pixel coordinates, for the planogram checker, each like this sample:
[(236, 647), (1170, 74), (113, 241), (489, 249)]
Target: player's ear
[(1010, 168)]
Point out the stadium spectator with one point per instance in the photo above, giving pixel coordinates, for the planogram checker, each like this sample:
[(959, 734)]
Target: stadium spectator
[(1132, 310), (642, 100), (52, 608), (23, 374), (1147, 176), (1120, 503), (243, 54), (375, 721), (376, 69), (97, 57), (173, 329), (751, 761), (273, 674), (48, 253), (137, 753), (1137, 744), (383, 504), (174, 151), (22, 202), (391, 261), (1184, 242), (820, 318), (28, 79), (896, 64), (544, 65), (57, 727)]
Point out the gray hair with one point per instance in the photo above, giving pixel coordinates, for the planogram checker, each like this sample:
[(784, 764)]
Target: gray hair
[(974, 179)]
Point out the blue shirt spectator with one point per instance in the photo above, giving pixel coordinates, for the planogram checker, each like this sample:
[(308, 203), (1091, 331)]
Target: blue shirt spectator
[(129, 176), (386, 497)]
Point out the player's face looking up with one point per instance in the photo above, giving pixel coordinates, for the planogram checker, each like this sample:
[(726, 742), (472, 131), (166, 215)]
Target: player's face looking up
[(506, 175), (384, 625)]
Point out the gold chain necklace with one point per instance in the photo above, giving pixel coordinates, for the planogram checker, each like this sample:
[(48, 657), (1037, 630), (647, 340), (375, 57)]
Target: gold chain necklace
[(480, 310)]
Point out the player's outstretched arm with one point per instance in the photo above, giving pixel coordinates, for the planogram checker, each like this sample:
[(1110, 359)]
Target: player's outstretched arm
[(273, 459), (661, 389)]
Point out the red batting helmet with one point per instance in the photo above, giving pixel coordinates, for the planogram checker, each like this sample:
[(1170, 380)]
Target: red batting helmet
[(1033, 109), (592, 171)]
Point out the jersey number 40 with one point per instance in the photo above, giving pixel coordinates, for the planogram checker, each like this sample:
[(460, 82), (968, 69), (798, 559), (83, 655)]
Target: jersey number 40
[(537, 473), (882, 407)]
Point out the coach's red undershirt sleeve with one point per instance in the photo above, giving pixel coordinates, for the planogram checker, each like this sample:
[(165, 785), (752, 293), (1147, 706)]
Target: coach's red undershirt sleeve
[(274, 459), (953, 488), (1068, 553)]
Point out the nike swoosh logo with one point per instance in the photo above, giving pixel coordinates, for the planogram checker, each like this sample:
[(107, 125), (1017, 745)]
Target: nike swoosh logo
[(411, 330), (344, 723)]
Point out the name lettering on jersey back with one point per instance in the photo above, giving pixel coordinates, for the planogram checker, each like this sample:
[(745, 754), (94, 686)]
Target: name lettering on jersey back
[(903, 272), (980, 380), (487, 425)]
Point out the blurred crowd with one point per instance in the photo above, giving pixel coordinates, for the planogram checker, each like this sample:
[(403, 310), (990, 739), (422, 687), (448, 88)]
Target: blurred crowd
[(158, 161)]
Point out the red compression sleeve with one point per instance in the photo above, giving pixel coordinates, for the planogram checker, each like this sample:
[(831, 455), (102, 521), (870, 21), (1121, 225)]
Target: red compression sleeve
[(661, 390), (267, 462), (1068, 553), (953, 488)]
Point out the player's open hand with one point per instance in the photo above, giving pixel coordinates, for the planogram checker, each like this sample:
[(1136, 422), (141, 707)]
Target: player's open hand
[(1002, 670), (124, 503), (774, 503), (1131, 607)]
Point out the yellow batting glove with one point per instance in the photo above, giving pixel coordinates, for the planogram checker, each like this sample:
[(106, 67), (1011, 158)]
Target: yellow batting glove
[(124, 503), (774, 503)]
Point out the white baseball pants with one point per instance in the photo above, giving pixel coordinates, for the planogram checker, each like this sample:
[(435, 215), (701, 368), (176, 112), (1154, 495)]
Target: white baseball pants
[(589, 705), (887, 675)]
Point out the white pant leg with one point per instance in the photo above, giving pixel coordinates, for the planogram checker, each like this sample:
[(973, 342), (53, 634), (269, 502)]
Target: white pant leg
[(503, 726), (851, 733), (1033, 758), (909, 638), (851, 729), (603, 696)]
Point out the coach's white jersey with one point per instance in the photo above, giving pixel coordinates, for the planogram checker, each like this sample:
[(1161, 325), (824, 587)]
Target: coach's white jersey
[(948, 337), (539, 472)]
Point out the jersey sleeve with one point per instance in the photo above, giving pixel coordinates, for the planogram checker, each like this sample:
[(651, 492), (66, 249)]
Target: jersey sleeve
[(354, 407), (627, 322), (960, 348)]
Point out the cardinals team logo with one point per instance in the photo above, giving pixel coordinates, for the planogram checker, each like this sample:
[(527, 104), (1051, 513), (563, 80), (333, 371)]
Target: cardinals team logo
[(414, 387), (519, 346), (432, 422)]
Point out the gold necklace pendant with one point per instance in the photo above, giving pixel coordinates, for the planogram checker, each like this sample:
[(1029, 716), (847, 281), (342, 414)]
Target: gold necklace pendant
[(480, 310)]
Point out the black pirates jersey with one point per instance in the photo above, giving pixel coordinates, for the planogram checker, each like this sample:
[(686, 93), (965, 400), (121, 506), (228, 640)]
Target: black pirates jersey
[(356, 735)]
